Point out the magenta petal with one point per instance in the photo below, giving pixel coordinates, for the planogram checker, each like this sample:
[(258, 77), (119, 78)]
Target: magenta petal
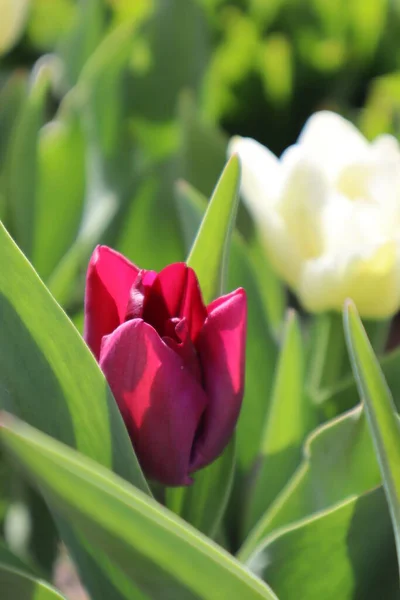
[(221, 346), (161, 403), (109, 279), (175, 292), (192, 307)]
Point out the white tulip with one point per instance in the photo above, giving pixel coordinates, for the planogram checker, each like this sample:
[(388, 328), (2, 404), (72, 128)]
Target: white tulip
[(329, 212), (13, 15)]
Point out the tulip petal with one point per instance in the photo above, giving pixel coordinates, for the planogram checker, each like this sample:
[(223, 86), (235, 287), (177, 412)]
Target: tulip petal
[(261, 174), (221, 346), (332, 142), (371, 279), (109, 279), (303, 197), (175, 292), (161, 403)]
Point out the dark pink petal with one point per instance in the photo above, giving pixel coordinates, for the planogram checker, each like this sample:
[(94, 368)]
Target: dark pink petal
[(137, 294), (177, 337), (160, 401), (175, 293), (192, 305), (109, 279), (221, 346)]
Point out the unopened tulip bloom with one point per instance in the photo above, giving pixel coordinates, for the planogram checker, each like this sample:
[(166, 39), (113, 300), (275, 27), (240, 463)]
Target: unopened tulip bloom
[(329, 213), (175, 366)]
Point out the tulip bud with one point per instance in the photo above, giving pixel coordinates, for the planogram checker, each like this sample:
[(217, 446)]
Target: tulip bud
[(329, 214), (175, 366)]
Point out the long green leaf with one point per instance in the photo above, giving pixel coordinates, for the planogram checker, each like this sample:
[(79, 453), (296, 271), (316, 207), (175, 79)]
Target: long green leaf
[(11, 561), (140, 539), (22, 163), (60, 190), (339, 462), (210, 252), (49, 378), (16, 585), (291, 416), (380, 410), (60, 388), (346, 552), (344, 396)]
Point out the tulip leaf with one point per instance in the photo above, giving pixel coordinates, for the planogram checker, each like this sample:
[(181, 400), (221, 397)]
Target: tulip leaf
[(135, 536), (15, 584), (346, 552), (49, 378), (271, 287), (210, 251), (61, 390), (381, 412), (10, 560), (339, 462), (12, 97), (83, 39), (60, 176), (327, 361), (344, 396), (290, 417), (22, 163)]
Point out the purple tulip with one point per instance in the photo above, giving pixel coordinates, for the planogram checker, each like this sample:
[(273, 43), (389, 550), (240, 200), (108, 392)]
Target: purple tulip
[(175, 366)]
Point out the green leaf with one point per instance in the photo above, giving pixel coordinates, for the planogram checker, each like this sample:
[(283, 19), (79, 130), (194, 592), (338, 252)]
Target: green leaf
[(345, 395), (210, 251), (11, 561), (339, 462), (60, 390), (380, 410), (346, 552), (82, 40), (63, 281), (327, 360), (290, 417), (271, 288), (60, 190), (22, 163), (15, 584), (49, 378), (12, 96), (140, 540), (101, 83)]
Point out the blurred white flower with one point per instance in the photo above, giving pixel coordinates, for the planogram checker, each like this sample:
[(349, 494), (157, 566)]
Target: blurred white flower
[(329, 213), (13, 15)]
